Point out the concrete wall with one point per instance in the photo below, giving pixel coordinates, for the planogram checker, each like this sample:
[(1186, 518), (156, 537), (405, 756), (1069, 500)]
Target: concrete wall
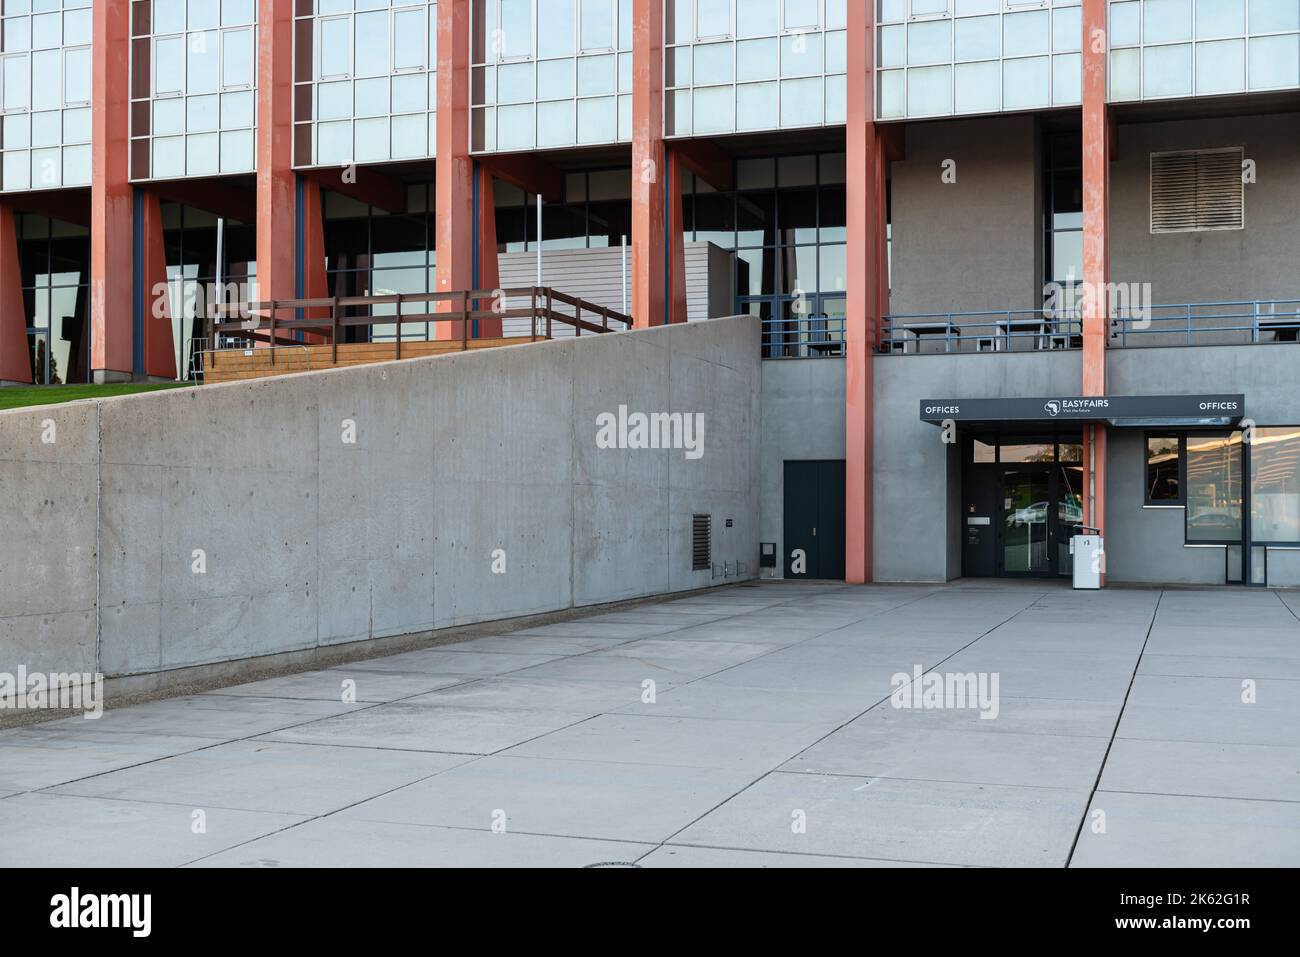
[(803, 418), (917, 477), (977, 243), (1258, 262), (309, 541)]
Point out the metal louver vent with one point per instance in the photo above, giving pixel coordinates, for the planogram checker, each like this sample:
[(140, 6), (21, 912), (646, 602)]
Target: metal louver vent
[(1197, 190), (701, 543)]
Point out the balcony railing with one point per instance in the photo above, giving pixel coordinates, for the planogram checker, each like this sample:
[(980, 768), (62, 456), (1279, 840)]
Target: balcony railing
[(803, 337), (1028, 330), (1242, 322)]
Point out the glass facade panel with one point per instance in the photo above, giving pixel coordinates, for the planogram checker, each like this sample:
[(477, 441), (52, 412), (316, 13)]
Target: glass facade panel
[(1239, 45), (1214, 488), (188, 61), (365, 78), (54, 262), (757, 65), (44, 88), (1275, 485), (944, 58)]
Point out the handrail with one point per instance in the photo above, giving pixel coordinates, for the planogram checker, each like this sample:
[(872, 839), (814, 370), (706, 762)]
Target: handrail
[(263, 322)]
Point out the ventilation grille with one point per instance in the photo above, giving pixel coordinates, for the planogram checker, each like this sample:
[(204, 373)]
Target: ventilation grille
[(701, 543), (1196, 191)]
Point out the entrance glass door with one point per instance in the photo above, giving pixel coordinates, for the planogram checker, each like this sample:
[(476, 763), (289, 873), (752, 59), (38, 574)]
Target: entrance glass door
[(1026, 513)]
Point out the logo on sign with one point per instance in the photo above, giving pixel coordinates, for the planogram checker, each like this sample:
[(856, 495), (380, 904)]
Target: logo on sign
[(1052, 408)]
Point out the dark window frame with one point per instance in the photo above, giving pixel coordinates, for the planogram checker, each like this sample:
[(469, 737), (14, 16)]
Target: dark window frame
[(1244, 504), (1147, 500)]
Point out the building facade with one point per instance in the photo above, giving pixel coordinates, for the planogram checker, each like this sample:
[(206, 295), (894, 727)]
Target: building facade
[(927, 203)]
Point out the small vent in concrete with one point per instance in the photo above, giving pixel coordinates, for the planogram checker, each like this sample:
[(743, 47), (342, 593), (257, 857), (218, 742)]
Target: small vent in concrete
[(701, 543)]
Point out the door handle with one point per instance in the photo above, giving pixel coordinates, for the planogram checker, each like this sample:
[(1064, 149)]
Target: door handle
[(814, 531)]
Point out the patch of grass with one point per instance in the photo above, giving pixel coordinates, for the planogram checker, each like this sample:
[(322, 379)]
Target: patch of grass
[(15, 397)]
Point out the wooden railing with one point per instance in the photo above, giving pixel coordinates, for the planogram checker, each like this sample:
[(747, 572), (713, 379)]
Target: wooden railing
[(278, 322)]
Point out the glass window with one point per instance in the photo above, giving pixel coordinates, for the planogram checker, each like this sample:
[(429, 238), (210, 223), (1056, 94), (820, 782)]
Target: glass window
[(1275, 485), (1214, 488), (712, 18), (516, 33), (1164, 482), (335, 47), (408, 39), (758, 18), (237, 58), (1028, 451), (597, 24), (555, 26)]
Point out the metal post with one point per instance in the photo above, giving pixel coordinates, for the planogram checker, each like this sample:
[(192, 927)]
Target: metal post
[(539, 239), (399, 326), (548, 314), (271, 334), (334, 326), (532, 317), (464, 321), (624, 258)]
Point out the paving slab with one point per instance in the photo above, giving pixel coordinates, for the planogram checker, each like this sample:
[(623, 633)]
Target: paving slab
[(708, 698), (336, 842), (581, 628), (1051, 716), (301, 779), (1235, 666), (535, 645), (672, 855), (429, 727), (678, 742), (664, 670), (870, 683), (1162, 830), (921, 821), (43, 756), (1240, 724), (610, 801), (61, 830), (875, 750), (1224, 641), (573, 695), (438, 662), (1253, 771), (332, 684), (219, 717)]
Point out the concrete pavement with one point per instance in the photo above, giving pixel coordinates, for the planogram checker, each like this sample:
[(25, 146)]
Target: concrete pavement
[(748, 726)]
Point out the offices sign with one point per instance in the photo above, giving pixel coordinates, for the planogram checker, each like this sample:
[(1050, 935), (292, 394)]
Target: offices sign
[(1119, 410)]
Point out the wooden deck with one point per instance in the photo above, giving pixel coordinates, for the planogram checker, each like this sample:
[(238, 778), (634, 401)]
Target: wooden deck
[(229, 365)]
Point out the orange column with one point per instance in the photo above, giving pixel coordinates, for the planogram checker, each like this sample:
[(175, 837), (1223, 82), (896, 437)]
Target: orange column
[(658, 292), (453, 168), (865, 217), (159, 348), (15, 359), (112, 351), (276, 186), (1097, 137), (489, 272)]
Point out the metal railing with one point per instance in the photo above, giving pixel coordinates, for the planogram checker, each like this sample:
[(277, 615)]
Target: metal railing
[(282, 321), (1207, 323), (1178, 324), (1010, 330), (803, 337)]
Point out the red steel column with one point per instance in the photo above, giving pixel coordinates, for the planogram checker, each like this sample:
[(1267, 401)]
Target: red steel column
[(112, 352), (864, 214), (649, 161), (15, 359), (1097, 137), (276, 185), (489, 272), (453, 168), (159, 348)]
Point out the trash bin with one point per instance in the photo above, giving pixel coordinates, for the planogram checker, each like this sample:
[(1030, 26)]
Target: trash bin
[(1089, 551)]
